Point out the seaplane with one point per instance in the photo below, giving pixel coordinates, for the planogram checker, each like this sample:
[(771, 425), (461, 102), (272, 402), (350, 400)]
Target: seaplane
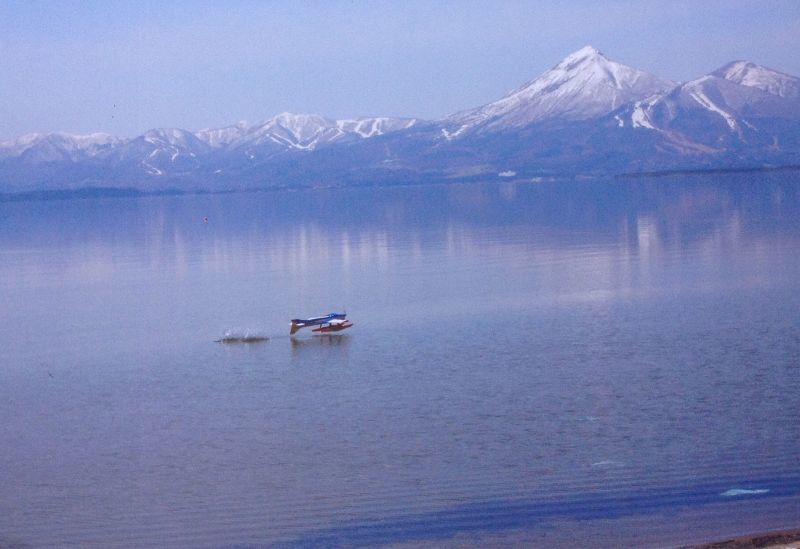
[(333, 322)]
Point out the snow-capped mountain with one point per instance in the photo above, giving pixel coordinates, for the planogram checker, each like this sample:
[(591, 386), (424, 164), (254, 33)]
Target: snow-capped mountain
[(176, 152), (584, 85), (586, 115), (751, 75), (57, 146), (733, 107), (291, 131), (218, 138), (299, 132), (162, 151)]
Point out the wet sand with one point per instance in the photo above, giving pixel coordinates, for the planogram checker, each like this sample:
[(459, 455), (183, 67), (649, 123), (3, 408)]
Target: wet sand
[(772, 540)]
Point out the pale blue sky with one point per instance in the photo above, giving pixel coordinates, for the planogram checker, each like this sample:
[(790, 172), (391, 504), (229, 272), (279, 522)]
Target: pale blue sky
[(125, 67)]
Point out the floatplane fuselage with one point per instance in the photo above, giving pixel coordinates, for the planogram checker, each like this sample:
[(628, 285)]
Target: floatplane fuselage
[(333, 322)]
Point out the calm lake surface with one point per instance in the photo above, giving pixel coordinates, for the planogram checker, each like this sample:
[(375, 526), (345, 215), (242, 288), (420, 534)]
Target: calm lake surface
[(541, 364)]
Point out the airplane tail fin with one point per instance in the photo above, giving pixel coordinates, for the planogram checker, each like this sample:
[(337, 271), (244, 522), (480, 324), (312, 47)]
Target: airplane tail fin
[(294, 327)]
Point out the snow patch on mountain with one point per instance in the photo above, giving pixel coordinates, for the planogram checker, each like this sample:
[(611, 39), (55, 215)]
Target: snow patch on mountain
[(371, 127), (640, 117), (696, 92), (453, 134), (169, 137), (152, 170)]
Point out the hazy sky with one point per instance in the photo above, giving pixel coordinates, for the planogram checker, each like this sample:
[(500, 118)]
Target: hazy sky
[(125, 67)]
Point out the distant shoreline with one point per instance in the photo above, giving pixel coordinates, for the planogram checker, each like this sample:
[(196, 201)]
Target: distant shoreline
[(712, 171), (768, 540), (128, 192)]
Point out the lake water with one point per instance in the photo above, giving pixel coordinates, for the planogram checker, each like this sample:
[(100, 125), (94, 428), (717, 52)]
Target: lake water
[(614, 363)]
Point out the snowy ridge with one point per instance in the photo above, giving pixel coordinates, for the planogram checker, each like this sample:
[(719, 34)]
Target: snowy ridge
[(165, 149), (286, 131), (751, 75), (740, 93), (300, 131), (59, 144), (221, 137), (169, 137)]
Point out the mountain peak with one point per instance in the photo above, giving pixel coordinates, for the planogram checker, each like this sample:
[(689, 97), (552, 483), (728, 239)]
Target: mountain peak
[(293, 118), (586, 53), (585, 84), (747, 73)]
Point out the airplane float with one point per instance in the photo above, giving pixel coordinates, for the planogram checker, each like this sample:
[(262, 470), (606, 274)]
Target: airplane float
[(334, 322)]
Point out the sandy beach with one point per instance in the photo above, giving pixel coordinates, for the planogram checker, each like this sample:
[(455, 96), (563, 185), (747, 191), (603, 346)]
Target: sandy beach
[(785, 539)]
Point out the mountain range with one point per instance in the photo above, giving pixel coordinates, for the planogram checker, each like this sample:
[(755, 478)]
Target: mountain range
[(587, 116)]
